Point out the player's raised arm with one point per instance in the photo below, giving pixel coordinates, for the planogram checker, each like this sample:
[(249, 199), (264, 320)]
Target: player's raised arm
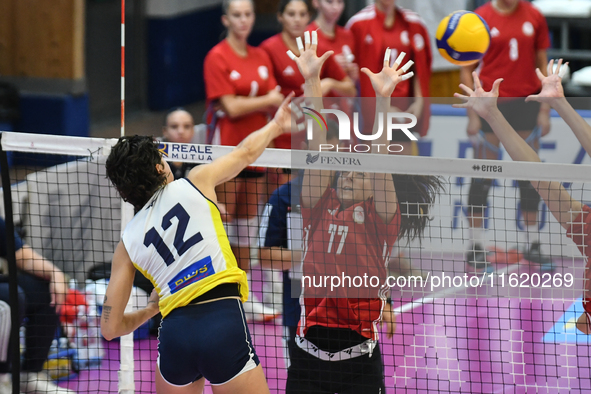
[(315, 182), (553, 94), (221, 170), (384, 84), (484, 104)]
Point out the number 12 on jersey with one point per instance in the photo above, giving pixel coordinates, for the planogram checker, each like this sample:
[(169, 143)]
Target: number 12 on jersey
[(152, 237), (338, 230)]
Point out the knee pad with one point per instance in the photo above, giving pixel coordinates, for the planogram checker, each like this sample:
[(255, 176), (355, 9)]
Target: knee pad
[(478, 194), (530, 199)]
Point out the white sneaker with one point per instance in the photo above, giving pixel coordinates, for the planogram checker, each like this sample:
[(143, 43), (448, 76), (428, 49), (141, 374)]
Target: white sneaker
[(255, 311), (40, 383)]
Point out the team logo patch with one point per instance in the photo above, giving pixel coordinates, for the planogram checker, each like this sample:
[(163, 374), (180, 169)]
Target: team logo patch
[(404, 38), (234, 75), (358, 215), (419, 42), (288, 71), (263, 72), (193, 273), (494, 32), (368, 39), (528, 29)]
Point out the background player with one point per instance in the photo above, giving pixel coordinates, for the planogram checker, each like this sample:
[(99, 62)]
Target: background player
[(332, 37), (179, 126), (519, 39), (203, 334), (294, 16), (559, 201), (239, 81), (384, 25)]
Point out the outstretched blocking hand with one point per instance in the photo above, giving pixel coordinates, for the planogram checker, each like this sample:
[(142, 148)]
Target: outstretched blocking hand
[(283, 115), (308, 62), (385, 81), (479, 100), (551, 84)]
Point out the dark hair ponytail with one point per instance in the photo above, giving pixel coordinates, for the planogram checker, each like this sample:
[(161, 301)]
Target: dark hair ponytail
[(416, 194)]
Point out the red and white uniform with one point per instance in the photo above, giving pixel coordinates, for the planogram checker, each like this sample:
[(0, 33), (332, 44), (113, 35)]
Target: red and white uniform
[(341, 42), (515, 42), (409, 35), (354, 241), (289, 78), (580, 233), (227, 73)]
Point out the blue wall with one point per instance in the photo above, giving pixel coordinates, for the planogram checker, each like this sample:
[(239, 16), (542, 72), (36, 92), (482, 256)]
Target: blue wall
[(51, 114), (176, 49)]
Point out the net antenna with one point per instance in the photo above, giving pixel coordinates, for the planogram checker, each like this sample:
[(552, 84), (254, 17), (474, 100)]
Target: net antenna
[(126, 367)]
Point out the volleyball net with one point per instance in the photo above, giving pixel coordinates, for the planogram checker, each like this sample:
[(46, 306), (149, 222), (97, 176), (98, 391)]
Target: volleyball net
[(469, 328)]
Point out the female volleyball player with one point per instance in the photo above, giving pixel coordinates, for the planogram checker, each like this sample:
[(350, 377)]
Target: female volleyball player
[(294, 16), (177, 239), (519, 39), (239, 80), (337, 348), (179, 126), (384, 25), (332, 37), (559, 201)]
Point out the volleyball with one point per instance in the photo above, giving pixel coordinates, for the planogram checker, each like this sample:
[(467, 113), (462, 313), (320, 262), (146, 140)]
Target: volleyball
[(462, 38)]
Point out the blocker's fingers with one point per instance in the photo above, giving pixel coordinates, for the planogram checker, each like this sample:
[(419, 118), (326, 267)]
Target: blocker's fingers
[(387, 57), (563, 70), (557, 70), (540, 74), (367, 72), (314, 37), (466, 89), (291, 55), (407, 76), (495, 87), (477, 83), (398, 61), (461, 96), (307, 39), (550, 67), (300, 45), (407, 66)]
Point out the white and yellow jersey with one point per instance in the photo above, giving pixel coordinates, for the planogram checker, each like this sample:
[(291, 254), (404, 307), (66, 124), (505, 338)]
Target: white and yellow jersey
[(178, 241)]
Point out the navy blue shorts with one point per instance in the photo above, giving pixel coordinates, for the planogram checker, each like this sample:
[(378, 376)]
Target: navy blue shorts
[(208, 340)]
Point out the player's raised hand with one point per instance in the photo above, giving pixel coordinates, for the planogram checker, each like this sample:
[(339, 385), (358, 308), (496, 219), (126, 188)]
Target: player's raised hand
[(386, 80), (308, 62), (283, 115), (551, 84), (481, 101)]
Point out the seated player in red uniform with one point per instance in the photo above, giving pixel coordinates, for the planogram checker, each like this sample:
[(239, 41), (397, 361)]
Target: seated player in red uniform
[(559, 201), (347, 227)]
